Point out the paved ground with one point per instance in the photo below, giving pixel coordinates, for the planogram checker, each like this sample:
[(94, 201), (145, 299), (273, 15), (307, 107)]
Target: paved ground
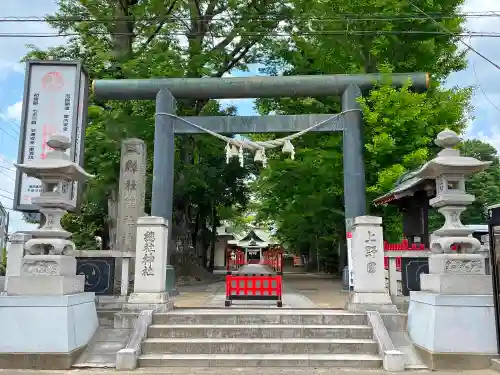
[(301, 290), (323, 291), (197, 296), (240, 371)]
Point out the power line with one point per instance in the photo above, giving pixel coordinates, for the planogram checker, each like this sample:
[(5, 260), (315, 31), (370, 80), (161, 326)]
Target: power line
[(6, 191), (7, 169), (2, 116), (479, 84), (451, 33), (224, 17), (8, 118), (6, 197), (345, 32), (5, 117)]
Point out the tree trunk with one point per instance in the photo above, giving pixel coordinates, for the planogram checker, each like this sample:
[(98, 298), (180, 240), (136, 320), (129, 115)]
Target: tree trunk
[(113, 220), (213, 240)]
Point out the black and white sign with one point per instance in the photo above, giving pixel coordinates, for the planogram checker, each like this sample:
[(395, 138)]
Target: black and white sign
[(99, 274), (55, 101), (411, 269)]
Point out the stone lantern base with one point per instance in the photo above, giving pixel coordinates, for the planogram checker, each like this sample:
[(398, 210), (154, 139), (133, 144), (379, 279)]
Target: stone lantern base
[(47, 275), (46, 316), (452, 320), (51, 326)]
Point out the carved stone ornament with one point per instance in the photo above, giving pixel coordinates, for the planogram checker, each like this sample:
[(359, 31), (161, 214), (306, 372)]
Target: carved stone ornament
[(371, 267), (49, 246), (19, 238), (399, 288), (464, 266), (41, 267)]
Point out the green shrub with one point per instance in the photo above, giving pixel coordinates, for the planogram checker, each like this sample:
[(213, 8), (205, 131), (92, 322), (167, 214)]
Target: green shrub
[(3, 262)]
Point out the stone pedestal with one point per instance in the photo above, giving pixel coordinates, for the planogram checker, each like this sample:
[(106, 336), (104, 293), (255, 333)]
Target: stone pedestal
[(40, 325), (47, 275), (46, 313), (151, 266), (369, 291), (452, 318), (15, 253)]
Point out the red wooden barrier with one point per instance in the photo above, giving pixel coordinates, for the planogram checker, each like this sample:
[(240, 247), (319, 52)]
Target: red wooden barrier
[(254, 287), (235, 259), (402, 246), (398, 264)]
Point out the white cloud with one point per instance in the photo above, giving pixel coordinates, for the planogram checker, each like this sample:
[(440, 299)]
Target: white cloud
[(14, 48), (14, 111)]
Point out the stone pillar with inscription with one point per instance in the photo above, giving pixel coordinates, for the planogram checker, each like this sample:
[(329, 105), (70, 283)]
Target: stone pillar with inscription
[(131, 196), (451, 319), (132, 192), (369, 291), (151, 266), (46, 309)]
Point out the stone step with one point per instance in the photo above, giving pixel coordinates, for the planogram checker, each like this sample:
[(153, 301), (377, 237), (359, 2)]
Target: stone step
[(260, 360), (258, 346), (260, 331), (106, 317), (260, 316)]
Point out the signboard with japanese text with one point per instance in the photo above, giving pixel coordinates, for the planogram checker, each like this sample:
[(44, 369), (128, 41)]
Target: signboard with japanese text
[(411, 270), (99, 274), (55, 101)]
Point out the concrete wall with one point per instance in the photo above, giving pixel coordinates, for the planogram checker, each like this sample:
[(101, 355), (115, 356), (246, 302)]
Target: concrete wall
[(220, 249)]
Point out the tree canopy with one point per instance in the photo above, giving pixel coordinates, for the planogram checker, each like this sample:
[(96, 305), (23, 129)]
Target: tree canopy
[(209, 38), (400, 125)]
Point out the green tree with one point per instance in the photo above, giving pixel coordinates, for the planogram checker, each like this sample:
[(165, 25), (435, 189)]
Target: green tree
[(157, 38), (361, 36), (485, 186)]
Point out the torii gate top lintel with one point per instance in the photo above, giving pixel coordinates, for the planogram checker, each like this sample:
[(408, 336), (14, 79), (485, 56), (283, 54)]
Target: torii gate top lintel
[(248, 87), (167, 91)]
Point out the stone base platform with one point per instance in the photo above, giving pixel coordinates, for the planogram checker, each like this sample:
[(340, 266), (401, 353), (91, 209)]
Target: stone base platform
[(363, 302), (158, 302), (46, 332), (43, 285), (451, 329)]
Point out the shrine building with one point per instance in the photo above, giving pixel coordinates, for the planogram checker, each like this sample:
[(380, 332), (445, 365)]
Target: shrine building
[(254, 243)]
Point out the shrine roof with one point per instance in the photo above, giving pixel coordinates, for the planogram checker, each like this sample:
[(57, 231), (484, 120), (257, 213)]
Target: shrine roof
[(253, 237), (406, 185)]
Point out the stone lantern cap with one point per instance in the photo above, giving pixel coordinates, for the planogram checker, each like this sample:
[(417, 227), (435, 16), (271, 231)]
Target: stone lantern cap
[(449, 159), (56, 164)]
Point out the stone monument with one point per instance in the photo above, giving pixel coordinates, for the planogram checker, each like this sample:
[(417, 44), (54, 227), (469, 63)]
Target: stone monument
[(150, 290), (453, 316), (46, 311), (132, 192), (130, 205), (368, 291)]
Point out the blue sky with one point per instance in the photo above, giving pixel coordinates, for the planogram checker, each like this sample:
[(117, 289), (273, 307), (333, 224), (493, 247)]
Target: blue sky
[(481, 74)]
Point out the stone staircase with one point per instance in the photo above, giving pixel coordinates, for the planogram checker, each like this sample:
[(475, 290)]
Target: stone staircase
[(259, 338)]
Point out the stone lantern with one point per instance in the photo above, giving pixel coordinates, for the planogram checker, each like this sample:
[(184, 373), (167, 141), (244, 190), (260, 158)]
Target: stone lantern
[(48, 251), (46, 312), (453, 312), (450, 170)]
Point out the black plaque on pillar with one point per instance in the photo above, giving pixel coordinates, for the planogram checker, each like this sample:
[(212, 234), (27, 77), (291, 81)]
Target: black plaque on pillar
[(411, 269), (99, 274)]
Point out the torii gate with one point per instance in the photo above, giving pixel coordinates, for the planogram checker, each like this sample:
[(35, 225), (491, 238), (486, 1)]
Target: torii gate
[(167, 90)]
